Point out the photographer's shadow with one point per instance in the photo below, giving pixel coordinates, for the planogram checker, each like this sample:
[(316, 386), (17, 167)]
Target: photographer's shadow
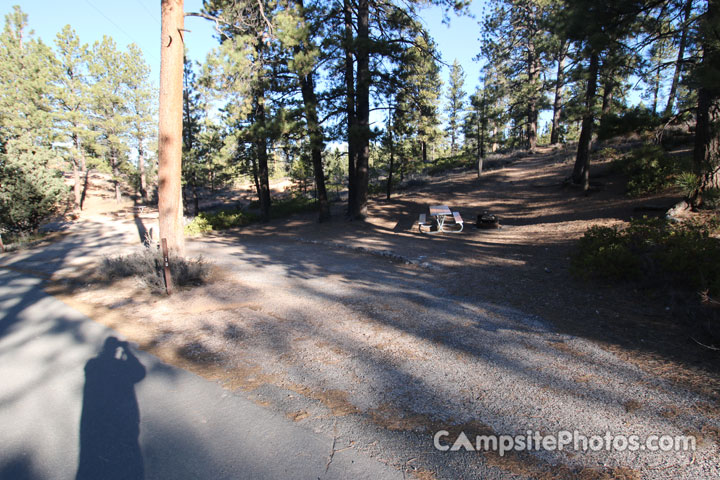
[(110, 422)]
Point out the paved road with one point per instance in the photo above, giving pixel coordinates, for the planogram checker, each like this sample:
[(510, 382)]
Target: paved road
[(76, 401)]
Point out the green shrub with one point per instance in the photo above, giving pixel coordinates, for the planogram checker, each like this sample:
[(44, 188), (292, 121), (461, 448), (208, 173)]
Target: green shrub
[(605, 253), (652, 251), (442, 165), (650, 169), (30, 191), (222, 220), (688, 182), (285, 207), (198, 226), (205, 222), (147, 266)]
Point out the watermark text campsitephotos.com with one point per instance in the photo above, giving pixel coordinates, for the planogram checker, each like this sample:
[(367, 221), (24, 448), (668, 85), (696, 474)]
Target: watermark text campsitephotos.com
[(563, 440)]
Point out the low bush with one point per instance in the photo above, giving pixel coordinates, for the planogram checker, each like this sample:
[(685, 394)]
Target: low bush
[(650, 169), (222, 220), (281, 208), (147, 266), (654, 252), (442, 165)]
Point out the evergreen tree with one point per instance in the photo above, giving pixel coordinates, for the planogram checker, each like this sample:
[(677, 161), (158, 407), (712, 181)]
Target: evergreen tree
[(516, 43), (682, 39), (614, 21), (72, 101), (193, 115), (456, 104), (110, 113), (31, 187), (416, 103), (247, 61), (142, 109), (298, 36)]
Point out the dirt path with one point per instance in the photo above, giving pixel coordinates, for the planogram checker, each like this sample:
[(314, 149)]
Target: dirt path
[(382, 336)]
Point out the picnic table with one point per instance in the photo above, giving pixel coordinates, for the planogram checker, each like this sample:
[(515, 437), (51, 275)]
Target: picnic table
[(446, 220)]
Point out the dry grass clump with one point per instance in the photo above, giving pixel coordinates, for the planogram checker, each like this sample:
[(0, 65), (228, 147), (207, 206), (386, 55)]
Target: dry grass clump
[(147, 266)]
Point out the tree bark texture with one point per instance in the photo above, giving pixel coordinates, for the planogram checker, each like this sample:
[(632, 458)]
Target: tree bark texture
[(170, 125), (581, 171)]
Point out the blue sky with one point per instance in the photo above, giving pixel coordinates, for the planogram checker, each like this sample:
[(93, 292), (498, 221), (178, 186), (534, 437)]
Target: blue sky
[(138, 21)]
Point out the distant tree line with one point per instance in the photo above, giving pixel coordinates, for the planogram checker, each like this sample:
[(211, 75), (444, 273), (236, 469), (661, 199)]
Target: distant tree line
[(341, 94), (68, 108), (582, 59)]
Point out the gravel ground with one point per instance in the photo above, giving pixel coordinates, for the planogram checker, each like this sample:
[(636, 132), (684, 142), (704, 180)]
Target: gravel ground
[(382, 337), (379, 353)]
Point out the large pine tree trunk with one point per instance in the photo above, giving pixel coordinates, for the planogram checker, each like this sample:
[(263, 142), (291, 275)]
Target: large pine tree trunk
[(170, 126), (581, 171), (363, 111), (680, 59), (350, 106), (706, 154), (557, 102)]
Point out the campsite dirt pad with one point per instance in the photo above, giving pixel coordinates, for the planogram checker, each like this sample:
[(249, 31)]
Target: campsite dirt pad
[(382, 336)]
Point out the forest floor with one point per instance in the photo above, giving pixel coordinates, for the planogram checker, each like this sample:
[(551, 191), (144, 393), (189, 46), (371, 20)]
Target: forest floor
[(382, 336)]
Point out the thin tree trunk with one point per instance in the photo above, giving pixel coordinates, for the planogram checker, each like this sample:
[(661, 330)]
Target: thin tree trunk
[(77, 159), (532, 115), (480, 140), (680, 59), (263, 172), (581, 171), (170, 126), (363, 110), (317, 143), (350, 107), (116, 174), (481, 137), (557, 102), (656, 92), (77, 193), (141, 172), (196, 197), (392, 156)]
